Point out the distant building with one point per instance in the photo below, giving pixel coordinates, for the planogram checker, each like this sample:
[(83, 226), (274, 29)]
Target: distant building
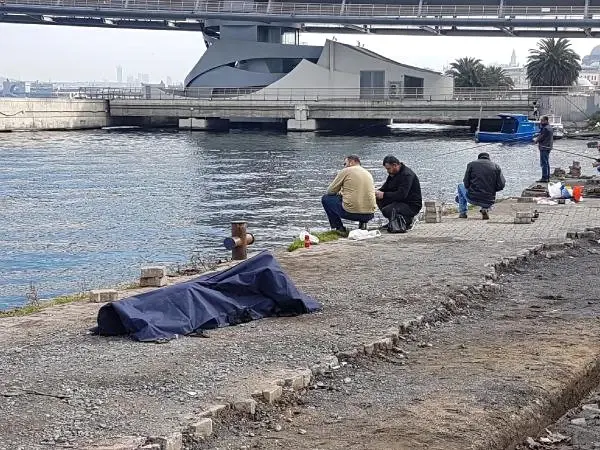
[(22, 89), (517, 73), (119, 74), (593, 59)]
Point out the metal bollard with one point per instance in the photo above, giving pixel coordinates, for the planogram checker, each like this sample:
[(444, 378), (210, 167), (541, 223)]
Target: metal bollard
[(239, 240)]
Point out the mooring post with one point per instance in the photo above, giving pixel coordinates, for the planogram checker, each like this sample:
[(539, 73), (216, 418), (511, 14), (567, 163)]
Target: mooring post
[(239, 240)]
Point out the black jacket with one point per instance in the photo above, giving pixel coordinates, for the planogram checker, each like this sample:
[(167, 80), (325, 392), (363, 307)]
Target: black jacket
[(546, 138), (483, 179), (404, 187)]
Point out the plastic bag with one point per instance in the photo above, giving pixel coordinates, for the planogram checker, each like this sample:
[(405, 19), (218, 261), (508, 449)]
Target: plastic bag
[(554, 190), (359, 235), (312, 238)]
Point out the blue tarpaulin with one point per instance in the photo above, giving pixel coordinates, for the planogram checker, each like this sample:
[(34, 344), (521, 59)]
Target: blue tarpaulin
[(251, 290)]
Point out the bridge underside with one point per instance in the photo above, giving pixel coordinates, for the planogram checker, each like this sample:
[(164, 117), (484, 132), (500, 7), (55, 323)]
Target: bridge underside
[(541, 18)]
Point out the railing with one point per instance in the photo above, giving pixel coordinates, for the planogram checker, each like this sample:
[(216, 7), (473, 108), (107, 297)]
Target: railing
[(321, 9), (286, 95)]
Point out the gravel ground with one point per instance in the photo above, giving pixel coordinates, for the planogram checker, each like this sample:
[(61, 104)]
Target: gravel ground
[(60, 386), (482, 381)]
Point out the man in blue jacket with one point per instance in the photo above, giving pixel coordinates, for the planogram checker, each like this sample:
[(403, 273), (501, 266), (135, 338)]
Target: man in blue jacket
[(482, 180), (400, 192), (545, 141)]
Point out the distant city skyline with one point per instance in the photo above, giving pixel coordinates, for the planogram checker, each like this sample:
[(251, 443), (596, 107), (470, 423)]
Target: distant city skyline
[(69, 54)]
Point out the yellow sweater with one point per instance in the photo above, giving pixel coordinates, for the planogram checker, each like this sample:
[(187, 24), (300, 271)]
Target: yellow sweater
[(357, 188)]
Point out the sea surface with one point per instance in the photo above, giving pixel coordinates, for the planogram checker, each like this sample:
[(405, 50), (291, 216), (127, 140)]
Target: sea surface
[(83, 210)]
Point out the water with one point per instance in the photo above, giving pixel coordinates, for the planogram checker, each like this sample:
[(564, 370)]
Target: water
[(80, 210)]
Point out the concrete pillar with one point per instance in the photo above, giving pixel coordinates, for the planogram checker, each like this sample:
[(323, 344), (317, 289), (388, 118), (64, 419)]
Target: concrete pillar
[(586, 14), (208, 124), (302, 125)]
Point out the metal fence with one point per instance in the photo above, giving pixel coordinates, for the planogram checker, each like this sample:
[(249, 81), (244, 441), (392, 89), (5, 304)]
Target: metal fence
[(325, 94), (323, 9)]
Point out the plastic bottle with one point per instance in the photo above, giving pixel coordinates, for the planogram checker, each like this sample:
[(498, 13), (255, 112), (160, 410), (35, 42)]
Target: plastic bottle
[(306, 240)]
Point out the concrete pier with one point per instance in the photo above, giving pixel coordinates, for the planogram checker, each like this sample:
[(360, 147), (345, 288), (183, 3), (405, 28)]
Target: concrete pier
[(474, 381), (53, 114), (209, 124)]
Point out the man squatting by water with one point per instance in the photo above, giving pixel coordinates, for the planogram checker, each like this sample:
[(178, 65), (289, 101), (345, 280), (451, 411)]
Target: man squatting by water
[(351, 194)]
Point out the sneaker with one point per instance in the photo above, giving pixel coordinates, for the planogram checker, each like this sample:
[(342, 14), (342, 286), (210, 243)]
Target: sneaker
[(342, 231), (462, 216), (484, 215)]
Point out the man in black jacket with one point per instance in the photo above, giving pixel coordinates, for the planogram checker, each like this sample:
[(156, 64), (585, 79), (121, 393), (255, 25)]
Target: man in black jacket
[(482, 180), (400, 192)]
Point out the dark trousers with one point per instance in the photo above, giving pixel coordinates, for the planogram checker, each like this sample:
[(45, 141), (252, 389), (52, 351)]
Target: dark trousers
[(545, 163), (403, 209), (332, 204)]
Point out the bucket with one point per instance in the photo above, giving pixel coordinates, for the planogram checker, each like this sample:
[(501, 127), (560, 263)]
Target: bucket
[(577, 193)]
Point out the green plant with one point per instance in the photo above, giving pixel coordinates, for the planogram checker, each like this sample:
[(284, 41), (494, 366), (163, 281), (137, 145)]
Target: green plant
[(325, 236)]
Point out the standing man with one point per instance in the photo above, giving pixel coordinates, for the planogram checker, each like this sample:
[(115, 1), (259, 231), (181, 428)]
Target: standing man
[(545, 141), (350, 196), (400, 192), (482, 180)]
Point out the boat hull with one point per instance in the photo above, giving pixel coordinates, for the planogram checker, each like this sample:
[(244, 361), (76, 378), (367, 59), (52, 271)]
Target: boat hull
[(493, 136)]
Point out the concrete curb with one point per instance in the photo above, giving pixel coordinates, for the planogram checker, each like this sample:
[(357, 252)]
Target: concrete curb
[(456, 302)]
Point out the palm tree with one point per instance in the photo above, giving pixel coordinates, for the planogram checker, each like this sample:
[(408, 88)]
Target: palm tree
[(553, 63), (496, 77), (467, 72)]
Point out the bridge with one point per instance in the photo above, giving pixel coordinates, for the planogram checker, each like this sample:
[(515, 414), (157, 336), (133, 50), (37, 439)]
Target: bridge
[(525, 18), (308, 109)]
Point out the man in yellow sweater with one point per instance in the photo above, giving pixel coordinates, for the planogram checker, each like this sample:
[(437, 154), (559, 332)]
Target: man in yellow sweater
[(351, 196)]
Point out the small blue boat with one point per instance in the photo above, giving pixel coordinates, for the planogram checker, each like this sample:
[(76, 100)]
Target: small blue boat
[(515, 128)]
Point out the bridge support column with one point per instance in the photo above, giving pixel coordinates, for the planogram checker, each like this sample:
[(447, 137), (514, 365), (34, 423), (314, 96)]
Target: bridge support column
[(301, 122), (208, 124)]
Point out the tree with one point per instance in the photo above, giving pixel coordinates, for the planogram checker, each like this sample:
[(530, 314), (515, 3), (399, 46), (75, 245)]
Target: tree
[(496, 77), (553, 63), (467, 72)]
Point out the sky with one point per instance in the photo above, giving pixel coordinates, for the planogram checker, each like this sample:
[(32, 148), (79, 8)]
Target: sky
[(60, 53)]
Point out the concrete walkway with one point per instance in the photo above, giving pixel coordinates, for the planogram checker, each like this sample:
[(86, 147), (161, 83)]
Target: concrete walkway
[(117, 387)]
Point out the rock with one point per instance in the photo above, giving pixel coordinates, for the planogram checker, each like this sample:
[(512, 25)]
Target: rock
[(531, 443), (213, 410), (301, 431), (578, 421), (347, 380), (171, 442), (277, 427), (202, 428), (272, 394), (247, 406)]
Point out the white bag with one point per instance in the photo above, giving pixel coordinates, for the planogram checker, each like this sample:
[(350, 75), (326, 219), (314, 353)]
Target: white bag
[(312, 238), (359, 235), (554, 190)]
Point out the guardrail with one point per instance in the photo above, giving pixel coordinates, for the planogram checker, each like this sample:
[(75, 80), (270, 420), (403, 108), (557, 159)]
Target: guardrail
[(321, 9), (326, 94)]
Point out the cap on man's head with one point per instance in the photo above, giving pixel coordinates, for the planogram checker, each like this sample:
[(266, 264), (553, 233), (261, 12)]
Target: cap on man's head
[(483, 156)]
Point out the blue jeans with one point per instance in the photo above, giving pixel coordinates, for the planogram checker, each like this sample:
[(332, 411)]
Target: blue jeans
[(545, 163), (332, 204), (463, 200)]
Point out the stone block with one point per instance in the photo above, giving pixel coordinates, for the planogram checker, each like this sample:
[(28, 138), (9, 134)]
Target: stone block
[(431, 204), (153, 272), (103, 295), (524, 220), (272, 394), (202, 428), (586, 235), (213, 411), (369, 349), (524, 214), (172, 442), (307, 376), (296, 382), (246, 406), (526, 200), (153, 282), (122, 443), (347, 354)]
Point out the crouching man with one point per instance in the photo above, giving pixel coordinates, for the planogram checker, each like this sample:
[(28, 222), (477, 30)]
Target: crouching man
[(350, 196), (400, 192), (483, 178)]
